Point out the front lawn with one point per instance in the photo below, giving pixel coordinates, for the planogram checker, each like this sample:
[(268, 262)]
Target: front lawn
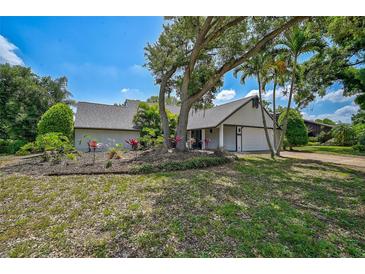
[(340, 150), (254, 207)]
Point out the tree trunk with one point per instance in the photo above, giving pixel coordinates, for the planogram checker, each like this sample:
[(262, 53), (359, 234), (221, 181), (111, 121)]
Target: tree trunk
[(182, 124), (285, 122), (274, 112), (163, 115), (264, 118)]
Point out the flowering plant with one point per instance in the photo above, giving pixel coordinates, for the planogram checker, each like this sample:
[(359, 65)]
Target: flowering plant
[(133, 143)]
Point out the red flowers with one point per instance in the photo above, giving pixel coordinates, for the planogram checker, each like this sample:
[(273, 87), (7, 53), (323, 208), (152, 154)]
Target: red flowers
[(133, 143)]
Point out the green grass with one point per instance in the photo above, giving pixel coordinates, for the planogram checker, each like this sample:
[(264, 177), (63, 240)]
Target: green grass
[(254, 207), (339, 150)]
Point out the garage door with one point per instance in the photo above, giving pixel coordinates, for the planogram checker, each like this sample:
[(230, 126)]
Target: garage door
[(253, 139)]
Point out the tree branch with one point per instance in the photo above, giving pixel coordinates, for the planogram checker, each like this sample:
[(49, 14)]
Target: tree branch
[(238, 61)]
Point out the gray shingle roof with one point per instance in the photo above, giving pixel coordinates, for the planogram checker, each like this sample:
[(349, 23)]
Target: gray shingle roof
[(100, 116), (214, 116)]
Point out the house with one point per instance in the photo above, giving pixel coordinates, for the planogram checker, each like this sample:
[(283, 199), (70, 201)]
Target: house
[(235, 126), (108, 124), (315, 128)]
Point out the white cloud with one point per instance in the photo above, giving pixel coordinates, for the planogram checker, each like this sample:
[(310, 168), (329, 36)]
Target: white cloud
[(7, 53), (335, 97), (125, 90), (226, 94), (138, 69), (342, 114), (268, 94)]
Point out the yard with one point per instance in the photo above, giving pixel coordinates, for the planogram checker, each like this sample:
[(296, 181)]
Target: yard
[(254, 207)]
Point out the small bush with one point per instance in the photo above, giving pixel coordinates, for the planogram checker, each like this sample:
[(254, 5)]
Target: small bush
[(26, 149), (358, 147), (10, 146), (71, 156), (112, 152), (324, 136), (344, 135), (53, 141), (58, 118), (313, 139)]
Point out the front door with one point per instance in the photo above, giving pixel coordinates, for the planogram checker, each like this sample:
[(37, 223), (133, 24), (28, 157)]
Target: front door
[(239, 139)]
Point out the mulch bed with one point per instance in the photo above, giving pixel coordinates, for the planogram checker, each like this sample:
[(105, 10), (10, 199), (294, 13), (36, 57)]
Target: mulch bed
[(35, 166)]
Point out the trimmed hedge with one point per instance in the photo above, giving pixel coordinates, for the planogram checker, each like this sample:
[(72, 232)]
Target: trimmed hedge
[(194, 163), (58, 118)]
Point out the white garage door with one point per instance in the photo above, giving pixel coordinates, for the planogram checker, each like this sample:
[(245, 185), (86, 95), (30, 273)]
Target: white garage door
[(253, 139)]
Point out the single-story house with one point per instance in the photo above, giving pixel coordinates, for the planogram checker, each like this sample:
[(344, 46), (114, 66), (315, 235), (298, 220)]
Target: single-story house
[(315, 128), (234, 126)]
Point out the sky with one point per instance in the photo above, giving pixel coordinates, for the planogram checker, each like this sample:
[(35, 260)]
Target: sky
[(103, 58)]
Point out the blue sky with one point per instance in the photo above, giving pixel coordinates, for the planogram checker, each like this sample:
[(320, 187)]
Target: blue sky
[(103, 58)]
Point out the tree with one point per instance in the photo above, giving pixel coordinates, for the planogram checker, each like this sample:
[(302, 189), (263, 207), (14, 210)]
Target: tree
[(210, 48), (148, 120), (296, 133), (59, 118), (170, 100), (296, 42), (326, 121), (258, 66), (24, 97)]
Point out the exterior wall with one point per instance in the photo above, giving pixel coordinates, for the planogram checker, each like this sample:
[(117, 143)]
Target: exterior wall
[(249, 116), (229, 138), (213, 136), (107, 137)]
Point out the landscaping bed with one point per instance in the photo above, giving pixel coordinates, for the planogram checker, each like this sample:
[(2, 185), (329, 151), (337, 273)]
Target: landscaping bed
[(130, 163)]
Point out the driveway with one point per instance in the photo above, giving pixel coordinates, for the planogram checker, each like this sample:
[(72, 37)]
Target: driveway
[(354, 161)]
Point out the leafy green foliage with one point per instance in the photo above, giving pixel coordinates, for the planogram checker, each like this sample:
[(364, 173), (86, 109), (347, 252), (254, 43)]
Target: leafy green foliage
[(149, 121), (297, 133), (53, 141), (59, 118), (9, 146), (193, 163), (326, 121), (24, 97), (324, 136), (344, 135)]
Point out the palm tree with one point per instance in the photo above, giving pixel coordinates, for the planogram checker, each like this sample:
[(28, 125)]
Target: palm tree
[(278, 71), (295, 42), (258, 66)]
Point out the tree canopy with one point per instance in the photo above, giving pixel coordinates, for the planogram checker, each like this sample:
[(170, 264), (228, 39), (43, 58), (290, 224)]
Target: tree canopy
[(24, 97)]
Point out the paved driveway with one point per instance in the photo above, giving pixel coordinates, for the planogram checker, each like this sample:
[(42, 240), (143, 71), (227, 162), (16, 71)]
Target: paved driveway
[(355, 161)]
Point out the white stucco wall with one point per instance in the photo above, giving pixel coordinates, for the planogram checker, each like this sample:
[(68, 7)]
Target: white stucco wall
[(213, 136), (229, 138), (249, 116), (107, 137)]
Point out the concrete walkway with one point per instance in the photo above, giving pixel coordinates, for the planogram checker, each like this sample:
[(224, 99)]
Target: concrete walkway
[(355, 161)]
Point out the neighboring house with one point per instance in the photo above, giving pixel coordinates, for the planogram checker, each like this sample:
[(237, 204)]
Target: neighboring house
[(315, 128), (235, 126)]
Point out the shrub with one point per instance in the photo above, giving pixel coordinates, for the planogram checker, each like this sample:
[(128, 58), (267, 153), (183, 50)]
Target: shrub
[(71, 156), (53, 141), (313, 139), (361, 139), (26, 149), (58, 118), (10, 146), (296, 133), (324, 136), (358, 147), (112, 152), (344, 135), (197, 162), (359, 129)]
